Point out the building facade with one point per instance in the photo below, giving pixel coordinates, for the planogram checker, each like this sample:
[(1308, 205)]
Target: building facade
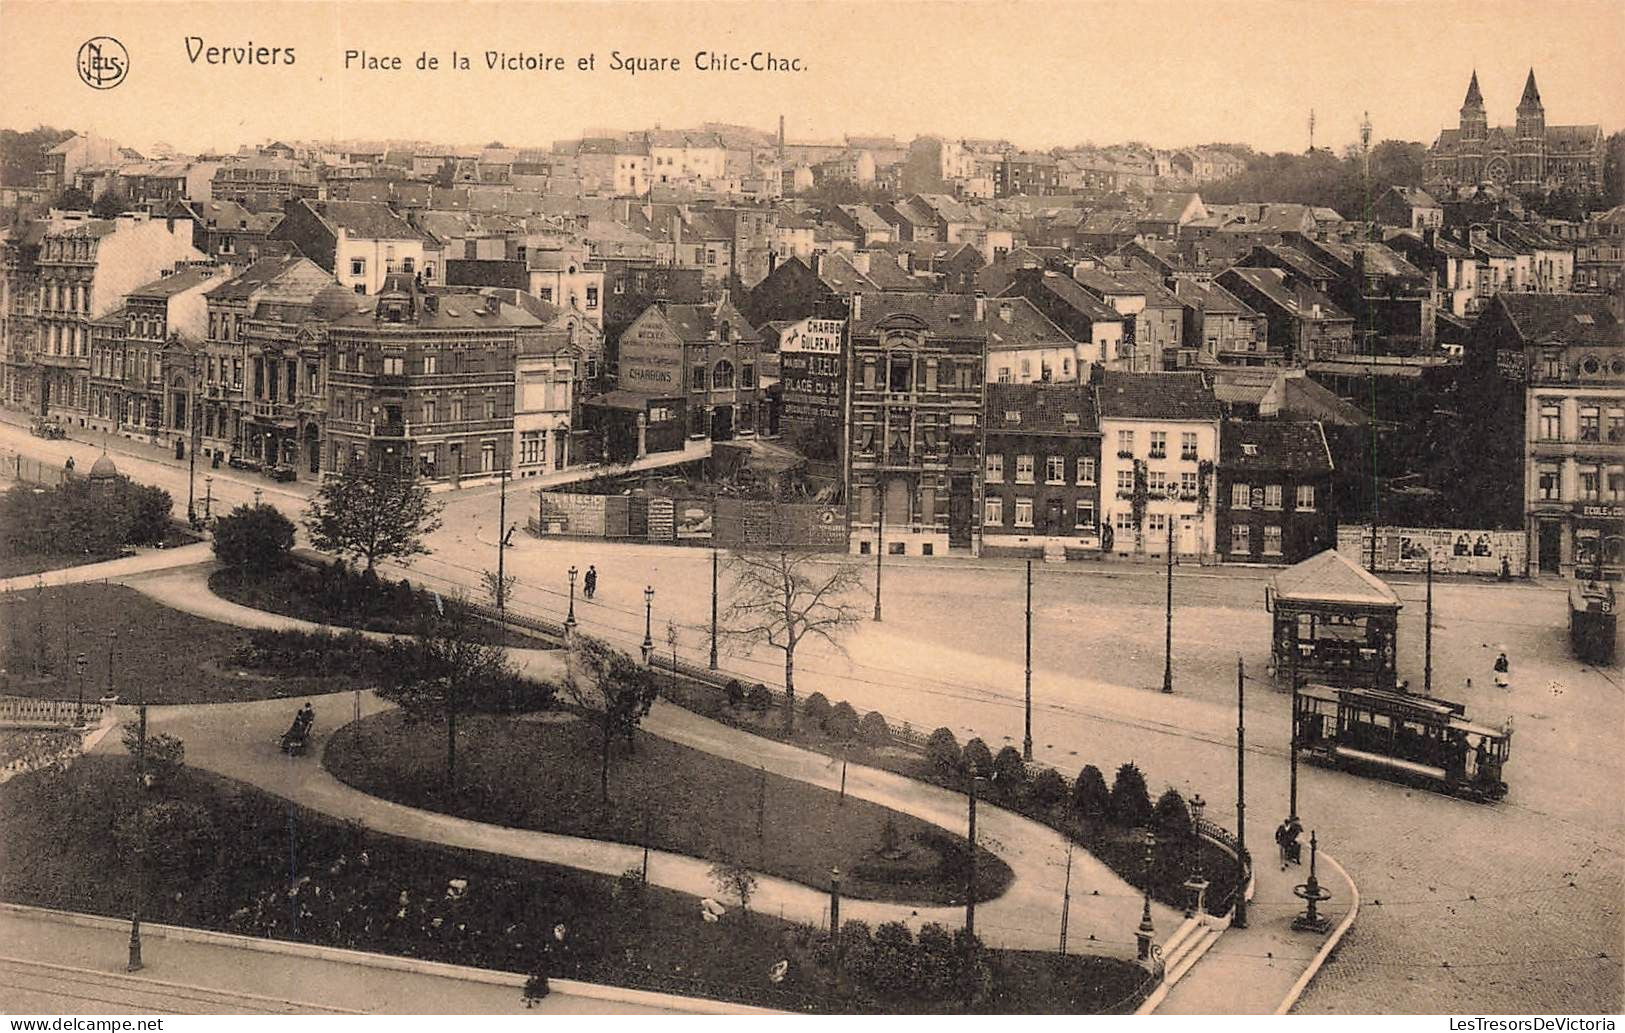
[(1041, 465), (1159, 442), (1526, 157), (1274, 497)]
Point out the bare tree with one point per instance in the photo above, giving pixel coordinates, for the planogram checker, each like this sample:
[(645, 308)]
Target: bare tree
[(734, 877), (610, 684), (782, 594)]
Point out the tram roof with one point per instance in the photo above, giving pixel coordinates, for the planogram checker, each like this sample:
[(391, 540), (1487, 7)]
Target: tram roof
[(1331, 578), (1440, 710)]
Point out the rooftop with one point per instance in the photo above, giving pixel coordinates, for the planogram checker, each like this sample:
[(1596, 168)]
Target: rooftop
[(1331, 577), (1157, 396)]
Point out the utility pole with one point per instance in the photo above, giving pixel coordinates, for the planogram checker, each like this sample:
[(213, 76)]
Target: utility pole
[(880, 544), (713, 609), (1027, 738), (1168, 634), (1066, 899), (502, 543), (1427, 662), (1240, 920), (137, 899), (970, 903), (1292, 747)]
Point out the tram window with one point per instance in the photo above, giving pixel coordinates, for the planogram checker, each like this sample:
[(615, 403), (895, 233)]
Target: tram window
[(1381, 720)]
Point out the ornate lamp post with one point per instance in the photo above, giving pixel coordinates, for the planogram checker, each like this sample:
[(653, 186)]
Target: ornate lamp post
[(502, 542), (880, 540), (1168, 633), (80, 662), (974, 783), (138, 897), (835, 921), (208, 496), (1142, 936), (1027, 736), (648, 625), (713, 609), (1313, 895), (1197, 884), (1240, 920), (570, 618), (112, 638)]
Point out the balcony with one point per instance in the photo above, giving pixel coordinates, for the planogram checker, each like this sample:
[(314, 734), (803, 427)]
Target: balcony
[(273, 412), (62, 361), (388, 429)]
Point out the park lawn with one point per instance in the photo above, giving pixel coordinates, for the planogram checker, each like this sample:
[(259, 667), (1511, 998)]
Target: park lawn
[(540, 773), (265, 867), (175, 656), (295, 590), (21, 564), (1121, 850), (25, 743)]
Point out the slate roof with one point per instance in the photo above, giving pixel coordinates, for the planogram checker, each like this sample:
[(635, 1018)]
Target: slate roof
[(257, 276), (841, 276), (365, 220), (946, 315), (1581, 319), (1043, 409), (1027, 328), (1157, 396), (695, 323), (1296, 445), (175, 283), (1331, 577), (1069, 291), (1416, 197), (1307, 398), (865, 217), (1299, 300), (451, 312), (1211, 297), (1168, 207)]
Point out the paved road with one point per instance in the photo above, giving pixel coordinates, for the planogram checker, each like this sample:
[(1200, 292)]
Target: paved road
[(1482, 889)]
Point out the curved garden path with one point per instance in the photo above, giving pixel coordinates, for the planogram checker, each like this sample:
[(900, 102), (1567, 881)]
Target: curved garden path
[(239, 740)]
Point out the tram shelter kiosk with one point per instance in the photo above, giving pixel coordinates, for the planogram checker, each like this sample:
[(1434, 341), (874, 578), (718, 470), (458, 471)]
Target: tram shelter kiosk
[(1334, 623)]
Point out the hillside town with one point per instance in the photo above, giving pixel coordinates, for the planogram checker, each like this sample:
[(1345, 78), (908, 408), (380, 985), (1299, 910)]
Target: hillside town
[(662, 541)]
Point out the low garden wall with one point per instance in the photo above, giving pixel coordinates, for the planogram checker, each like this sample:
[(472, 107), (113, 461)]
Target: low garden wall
[(23, 712)]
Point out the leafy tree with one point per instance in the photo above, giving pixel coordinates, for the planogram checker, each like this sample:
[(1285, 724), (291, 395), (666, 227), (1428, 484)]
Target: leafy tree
[(256, 538), (1048, 788), (782, 595), (817, 709), (936, 964), (733, 877), (736, 692), (73, 200), (760, 698), (497, 589), (873, 729), (22, 154), (977, 760), (1090, 797), (843, 721), (372, 514), (892, 968), (1131, 801), (1171, 817), (942, 749), (1009, 771), (442, 673), (619, 691), (110, 205), (165, 753)]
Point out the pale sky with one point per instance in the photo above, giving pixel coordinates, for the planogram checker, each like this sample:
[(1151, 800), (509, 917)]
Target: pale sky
[(1039, 73)]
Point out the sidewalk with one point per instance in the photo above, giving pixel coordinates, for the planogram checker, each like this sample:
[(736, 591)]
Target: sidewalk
[(56, 962), (143, 562), (1260, 970)]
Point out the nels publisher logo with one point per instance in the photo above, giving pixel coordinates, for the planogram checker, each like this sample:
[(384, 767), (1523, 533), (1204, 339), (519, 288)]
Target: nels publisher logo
[(103, 62)]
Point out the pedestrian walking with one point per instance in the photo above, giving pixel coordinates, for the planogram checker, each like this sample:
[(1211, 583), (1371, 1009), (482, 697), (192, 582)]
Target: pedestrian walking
[(589, 584), (1280, 842), (1502, 670), (1294, 849), (68, 466)]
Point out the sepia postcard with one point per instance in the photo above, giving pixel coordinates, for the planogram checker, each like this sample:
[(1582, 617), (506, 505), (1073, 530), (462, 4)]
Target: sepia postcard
[(895, 508)]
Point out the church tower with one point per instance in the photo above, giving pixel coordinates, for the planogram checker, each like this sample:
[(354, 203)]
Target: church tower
[(1529, 145), (1475, 123)]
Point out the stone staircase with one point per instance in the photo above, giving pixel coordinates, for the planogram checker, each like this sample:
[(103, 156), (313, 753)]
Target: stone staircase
[(1054, 551), (1182, 951)]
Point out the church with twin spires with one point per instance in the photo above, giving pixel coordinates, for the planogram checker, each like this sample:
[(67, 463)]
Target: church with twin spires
[(1527, 157)]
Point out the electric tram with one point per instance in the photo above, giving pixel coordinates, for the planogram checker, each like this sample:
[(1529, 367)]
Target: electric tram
[(1416, 740), (1592, 622)]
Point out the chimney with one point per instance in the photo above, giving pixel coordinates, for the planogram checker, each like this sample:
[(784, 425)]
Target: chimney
[(981, 306), (857, 306), (1005, 312), (860, 262)]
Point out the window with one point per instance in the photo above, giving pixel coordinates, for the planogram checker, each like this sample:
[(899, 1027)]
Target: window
[(1004, 375), (1159, 444), (1125, 443), (1239, 497), (1551, 421), (1055, 470), (995, 469), (696, 418), (1272, 496), (1550, 482), (1590, 423), (697, 380), (1616, 483), (1125, 482), (394, 365), (407, 265), (490, 408), (899, 369), (1615, 430), (1272, 541), (1156, 482), (358, 267), (1157, 524), (723, 375), (869, 374), (993, 512), (592, 298), (1024, 469), (428, 410), (1124, 522), (1306, 496), (747, 374), (1590, 483), (1187, 444), (1024, 512), (1187, 483), (1086, 470), (1239, 545), (1085, 514), (530, 447), (456, 410), (431, 364)]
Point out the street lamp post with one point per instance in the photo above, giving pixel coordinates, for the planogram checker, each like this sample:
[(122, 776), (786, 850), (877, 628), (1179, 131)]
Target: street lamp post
[(570, 618), (1292, 744), (970, 896), (648, 625), (1197, 884), (1168, 633), (112, 637), (835, 922), (1240, 920), (80, 662), (137, 899), (1147, 929), (502, 542), (1427, 652), (880, 543), (713, 609), (208, 497), (1027, 737)]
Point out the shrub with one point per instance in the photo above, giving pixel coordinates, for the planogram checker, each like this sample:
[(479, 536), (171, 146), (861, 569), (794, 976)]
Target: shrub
[(165, 753), (736, 692), (892, 970), (1171, 817), (172, 836), (1091, 800), (760, 698), (149, 510), (873, 730), (817, 708), (254, 538), (857, 947), (936, 964), (843, 721), (977, 759), (1009, 771), (1048, 788), (942, 749), (1131, 801)]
